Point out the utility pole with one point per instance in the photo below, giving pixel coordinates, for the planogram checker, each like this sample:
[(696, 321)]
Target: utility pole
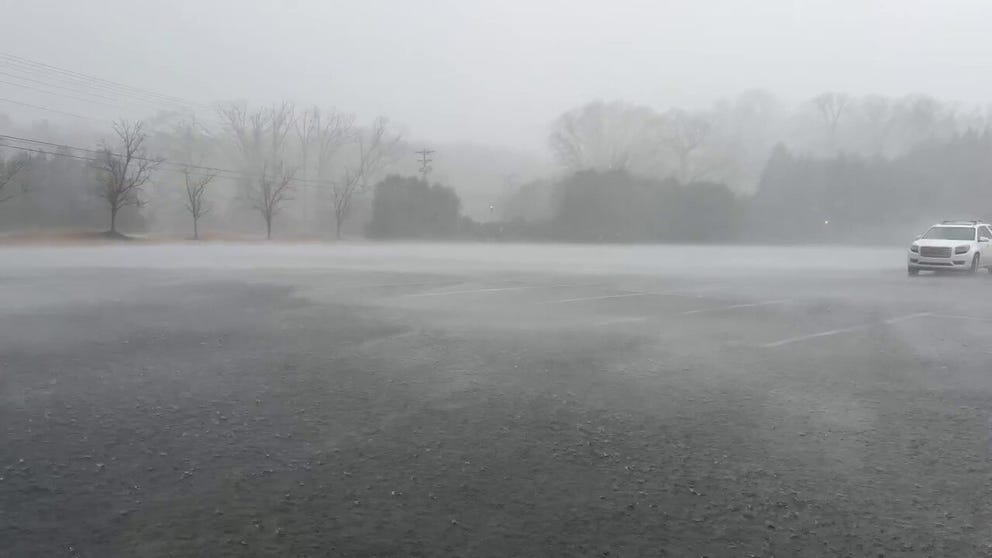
[(306, 126), (425, 162)]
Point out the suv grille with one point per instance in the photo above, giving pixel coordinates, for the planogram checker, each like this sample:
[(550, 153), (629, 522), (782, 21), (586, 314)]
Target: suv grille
[(935, 251)]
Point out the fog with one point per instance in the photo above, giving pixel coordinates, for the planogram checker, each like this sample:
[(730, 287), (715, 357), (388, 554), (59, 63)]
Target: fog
[(455, 71), (514, 105), (659, 261), (278, 398), (629, 278)]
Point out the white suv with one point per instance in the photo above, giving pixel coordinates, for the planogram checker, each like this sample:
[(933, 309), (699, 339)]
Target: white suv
[(955, 245)]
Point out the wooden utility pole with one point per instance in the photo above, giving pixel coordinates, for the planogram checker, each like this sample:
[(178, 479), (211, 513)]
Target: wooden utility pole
[(425, 162)]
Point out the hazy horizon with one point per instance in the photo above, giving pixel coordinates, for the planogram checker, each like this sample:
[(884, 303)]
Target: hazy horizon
[(499, 74), (519, 278)]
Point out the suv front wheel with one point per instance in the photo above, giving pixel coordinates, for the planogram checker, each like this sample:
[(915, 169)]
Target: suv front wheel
[(976, 262)]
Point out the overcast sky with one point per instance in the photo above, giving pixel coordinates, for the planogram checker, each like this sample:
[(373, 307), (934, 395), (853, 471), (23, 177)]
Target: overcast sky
[(498, 71)]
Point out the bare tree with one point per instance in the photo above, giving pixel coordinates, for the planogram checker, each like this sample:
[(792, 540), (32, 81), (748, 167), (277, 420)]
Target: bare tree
[(193, 142), (374, 147), (259, 138), (685, 134), (246, 131), (196, 203), (607, 136), (831, 107), (568, 142), (271, 191), (334, 130), (124, 173), (926, 118), (323, 131), (878, 115), (8, 173)]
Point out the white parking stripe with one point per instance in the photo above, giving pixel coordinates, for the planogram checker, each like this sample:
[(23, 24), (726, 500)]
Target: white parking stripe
[(736, 306), (623, 295), (791, 340), (622, 320), (961, 317), (812, 336), (909, 317), (390, 285), (470, 291), (603, 297), (493, 290)]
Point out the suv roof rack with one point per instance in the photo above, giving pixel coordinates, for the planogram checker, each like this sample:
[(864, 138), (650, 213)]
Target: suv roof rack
[(962, 222)]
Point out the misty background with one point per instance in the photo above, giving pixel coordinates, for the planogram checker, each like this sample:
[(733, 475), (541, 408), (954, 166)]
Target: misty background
[(791, 121)]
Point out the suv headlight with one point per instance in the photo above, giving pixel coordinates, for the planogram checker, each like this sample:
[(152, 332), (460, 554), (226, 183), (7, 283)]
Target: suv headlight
[(962, 249), (914, 248)]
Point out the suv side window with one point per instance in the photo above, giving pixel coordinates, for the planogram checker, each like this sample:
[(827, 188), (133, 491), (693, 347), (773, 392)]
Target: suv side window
[(984, 231)]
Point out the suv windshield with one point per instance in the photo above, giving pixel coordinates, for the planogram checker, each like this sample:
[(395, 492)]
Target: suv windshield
[(951, 233)]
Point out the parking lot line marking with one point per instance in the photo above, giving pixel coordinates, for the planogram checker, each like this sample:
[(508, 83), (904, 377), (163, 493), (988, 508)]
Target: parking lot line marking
[(470, 291), (602, 297), (622, 320), (908, 317), (389, 285), (736, 306), (961, 317), (622, 295), (791, 340)]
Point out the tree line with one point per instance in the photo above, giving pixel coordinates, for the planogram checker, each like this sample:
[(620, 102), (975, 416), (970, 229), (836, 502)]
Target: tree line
[(265, 160), (799, 198), (731, 141), (833, 168), (589, 206)]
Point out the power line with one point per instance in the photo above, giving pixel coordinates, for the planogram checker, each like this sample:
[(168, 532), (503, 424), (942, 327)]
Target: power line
[(100, 152), (33, 88), (42, 151), (180, 166), (70, 97), (81, 158), (94, 81), (39, 107), (57, 86), (78, 79), (91, 88)]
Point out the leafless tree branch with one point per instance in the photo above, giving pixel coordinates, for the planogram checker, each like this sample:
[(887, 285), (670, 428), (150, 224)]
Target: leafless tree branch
[(124, 173), (260, 137), (8, 173), (685, 134), (272, 190), (375, 148), (196, 203)]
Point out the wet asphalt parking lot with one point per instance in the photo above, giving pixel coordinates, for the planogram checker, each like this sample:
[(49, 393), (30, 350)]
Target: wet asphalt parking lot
[(491, 400)]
